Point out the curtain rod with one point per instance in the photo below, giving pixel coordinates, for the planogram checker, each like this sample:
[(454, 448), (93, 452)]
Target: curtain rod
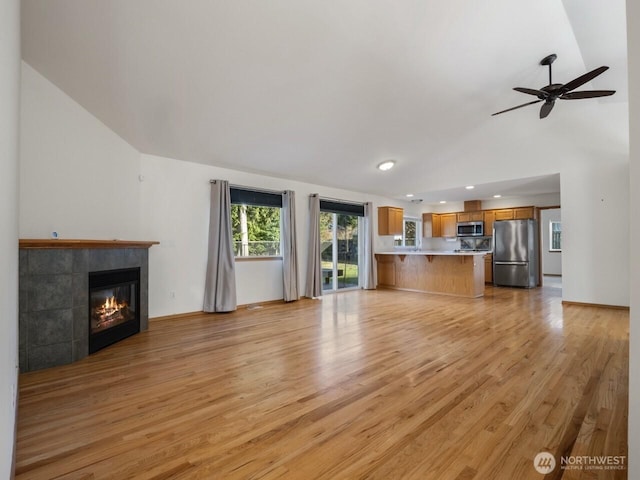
[(255, 189), (350, 202)]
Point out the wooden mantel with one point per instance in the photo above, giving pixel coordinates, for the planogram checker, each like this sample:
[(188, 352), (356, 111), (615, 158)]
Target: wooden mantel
[(30, 243)]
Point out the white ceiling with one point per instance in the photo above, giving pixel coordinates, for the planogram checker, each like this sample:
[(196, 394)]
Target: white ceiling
[(324, 91), (521, 187)]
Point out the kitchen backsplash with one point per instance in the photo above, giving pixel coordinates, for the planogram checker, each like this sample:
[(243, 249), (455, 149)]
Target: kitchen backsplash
[(440, 243)]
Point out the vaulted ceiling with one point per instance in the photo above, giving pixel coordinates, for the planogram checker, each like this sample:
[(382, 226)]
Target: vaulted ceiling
[(324, 91)]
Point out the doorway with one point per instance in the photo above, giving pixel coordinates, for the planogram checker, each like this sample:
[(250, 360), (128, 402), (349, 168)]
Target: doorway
[(339, 251), (551, 247)]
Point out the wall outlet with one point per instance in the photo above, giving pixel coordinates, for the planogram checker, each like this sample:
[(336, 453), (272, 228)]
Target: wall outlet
[(172, 295)]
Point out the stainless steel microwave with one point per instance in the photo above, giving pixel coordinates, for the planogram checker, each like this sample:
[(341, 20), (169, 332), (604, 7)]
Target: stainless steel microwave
[(470, 229)]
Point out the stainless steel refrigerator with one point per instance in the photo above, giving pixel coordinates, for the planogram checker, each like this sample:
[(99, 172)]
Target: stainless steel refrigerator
[(515, 253)]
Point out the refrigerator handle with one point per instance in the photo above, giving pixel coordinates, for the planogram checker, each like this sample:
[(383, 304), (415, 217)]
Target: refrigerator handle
[(511, 263)]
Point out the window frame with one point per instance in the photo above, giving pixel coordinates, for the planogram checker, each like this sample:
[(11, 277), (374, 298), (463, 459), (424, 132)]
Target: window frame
[(257, 198), (403, 238), (551, 232)]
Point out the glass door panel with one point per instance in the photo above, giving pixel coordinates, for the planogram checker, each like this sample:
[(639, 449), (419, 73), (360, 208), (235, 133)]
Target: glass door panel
[(327, 241), (339, 251), (347, 259)]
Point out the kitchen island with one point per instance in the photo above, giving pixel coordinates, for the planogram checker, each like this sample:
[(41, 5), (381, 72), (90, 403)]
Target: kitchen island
[(444, 272)]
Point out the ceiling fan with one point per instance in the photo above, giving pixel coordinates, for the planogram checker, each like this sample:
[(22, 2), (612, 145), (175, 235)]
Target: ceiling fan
[(554, 91)]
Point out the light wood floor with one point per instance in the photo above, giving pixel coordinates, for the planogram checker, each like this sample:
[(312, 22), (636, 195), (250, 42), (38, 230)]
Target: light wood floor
[(382, 384)]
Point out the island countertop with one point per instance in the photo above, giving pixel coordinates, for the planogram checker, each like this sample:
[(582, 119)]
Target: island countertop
[(433, 252), (432, 271)]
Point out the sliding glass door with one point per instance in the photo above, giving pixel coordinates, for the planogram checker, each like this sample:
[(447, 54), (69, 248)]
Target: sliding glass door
[(339, 251)]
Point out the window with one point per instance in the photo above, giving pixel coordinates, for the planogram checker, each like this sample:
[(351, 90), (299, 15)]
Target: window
[(255, 222), (555, 236), (411, 228)]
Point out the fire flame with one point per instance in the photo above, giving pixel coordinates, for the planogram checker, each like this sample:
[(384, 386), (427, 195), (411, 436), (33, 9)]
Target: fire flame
[(110, 313), (110, 307)]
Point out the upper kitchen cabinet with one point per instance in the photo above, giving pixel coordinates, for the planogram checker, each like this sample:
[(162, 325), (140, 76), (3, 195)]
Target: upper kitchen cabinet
[(470, 217), (503, 214), (523, 213), (439, 224), (390, 220), (519, 213), (489, 217), (448, 223), (431, 225)]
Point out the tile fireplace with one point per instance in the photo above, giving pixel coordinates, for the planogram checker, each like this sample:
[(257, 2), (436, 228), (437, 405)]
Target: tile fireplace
[(79, 296)]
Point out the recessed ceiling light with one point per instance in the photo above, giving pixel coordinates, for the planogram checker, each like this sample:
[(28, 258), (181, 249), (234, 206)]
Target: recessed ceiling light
[(409, 195), (469, 187), (497, 196), (386, 165), (443, 201)]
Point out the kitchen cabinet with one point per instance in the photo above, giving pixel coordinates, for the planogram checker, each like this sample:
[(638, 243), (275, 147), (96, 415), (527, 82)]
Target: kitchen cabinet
[(386, 270), (470, 217), (523, 213), (503, 214), (448, 223), (431, 225), (488, 268), (390, 220), (518, 213), (489, 218), (439, 224)]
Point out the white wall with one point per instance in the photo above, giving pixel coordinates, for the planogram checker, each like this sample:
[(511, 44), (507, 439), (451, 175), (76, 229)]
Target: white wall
[(175, 211), (542, 200), (9, 113), (633, 49), (551, 261), (77, 177), (595, 233)]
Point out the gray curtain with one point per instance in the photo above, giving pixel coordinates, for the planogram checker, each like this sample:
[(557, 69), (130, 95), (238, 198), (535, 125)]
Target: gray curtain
[(369, 274), (289, 248), (314, 267), (220, 284)]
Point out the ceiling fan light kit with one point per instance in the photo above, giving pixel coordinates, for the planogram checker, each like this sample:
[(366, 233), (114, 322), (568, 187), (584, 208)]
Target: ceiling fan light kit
[(554, 91)]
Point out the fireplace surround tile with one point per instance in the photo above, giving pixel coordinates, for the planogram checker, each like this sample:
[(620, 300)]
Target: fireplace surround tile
[(80, 288), (79, 350), (46, 356), (105, 260), (49, 292), (23, 262), (80, 260), (50, 261), (47, 327), (54, 302), (81, 326)]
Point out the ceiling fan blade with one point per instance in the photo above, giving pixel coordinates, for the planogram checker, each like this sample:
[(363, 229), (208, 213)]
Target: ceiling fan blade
[(546, 108), (582, 79), (587, 94), (514, 108), (530, 91)]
